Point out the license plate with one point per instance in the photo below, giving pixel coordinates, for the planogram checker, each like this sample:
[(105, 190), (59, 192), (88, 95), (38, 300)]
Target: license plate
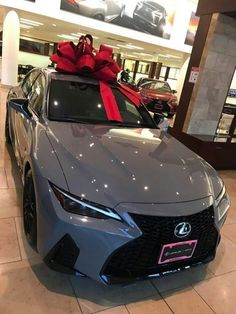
[(158, 106), (177, 251)]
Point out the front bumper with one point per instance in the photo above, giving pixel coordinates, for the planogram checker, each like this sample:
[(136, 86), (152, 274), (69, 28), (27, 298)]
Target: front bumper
[(111, 251)]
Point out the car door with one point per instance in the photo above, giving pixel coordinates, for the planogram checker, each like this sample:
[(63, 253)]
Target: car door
[(27, 126), (20, 92), (114, 8)]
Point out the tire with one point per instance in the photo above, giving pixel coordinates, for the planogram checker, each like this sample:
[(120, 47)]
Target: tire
[(29, 210), (122, 13), (7, 131), (171, 115), (160, 30), (99, 17)]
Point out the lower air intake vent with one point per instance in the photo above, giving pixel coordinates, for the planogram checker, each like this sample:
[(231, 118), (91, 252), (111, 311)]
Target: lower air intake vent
[(63, 255)]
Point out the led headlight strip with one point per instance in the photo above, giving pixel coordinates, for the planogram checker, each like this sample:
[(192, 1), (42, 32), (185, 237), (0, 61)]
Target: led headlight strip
[(79, 206)]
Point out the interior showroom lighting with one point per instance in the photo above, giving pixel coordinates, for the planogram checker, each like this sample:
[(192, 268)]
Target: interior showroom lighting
[(30, 22)]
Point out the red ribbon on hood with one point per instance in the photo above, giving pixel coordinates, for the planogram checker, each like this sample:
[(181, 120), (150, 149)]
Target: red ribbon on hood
[(84, 60)]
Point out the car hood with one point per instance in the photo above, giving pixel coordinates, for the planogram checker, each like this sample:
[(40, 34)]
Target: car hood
[(157, 95), (110, 165)]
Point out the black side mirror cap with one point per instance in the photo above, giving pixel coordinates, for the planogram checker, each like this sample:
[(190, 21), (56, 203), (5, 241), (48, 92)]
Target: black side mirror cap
[(20, 105)]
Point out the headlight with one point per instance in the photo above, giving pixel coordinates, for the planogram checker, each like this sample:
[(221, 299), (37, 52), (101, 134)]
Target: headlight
[(79, 206), (222, 203)]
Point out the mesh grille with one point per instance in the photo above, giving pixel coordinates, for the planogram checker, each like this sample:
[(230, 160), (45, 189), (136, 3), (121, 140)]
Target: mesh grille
[(140, 256)]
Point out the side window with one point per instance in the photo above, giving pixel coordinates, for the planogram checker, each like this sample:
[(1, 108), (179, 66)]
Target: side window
[(36, 95), (28, 82)]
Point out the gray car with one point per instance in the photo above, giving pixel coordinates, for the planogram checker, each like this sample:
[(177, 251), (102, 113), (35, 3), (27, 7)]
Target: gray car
[(114, 201)]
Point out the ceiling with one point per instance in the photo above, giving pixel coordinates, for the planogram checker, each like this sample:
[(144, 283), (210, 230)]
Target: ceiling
[(49, 30)]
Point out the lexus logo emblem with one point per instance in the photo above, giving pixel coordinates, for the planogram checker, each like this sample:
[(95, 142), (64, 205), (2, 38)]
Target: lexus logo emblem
[(183, 229)]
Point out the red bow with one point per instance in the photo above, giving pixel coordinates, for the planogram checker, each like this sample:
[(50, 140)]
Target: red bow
[(83, 59)]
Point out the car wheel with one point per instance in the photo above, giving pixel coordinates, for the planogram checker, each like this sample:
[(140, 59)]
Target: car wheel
[(122, 13), (7, 131), (29, 210), (99, 17), (160, 30)]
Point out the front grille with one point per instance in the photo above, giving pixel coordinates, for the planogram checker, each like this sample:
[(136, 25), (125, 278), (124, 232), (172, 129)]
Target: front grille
[(158, 106), (140, 257)]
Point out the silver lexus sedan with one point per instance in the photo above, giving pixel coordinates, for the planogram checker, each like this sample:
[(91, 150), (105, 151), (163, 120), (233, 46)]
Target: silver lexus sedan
[(114, 201)]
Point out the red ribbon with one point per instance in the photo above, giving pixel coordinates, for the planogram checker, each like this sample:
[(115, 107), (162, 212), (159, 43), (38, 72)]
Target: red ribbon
[(84, 60), (109, 102)]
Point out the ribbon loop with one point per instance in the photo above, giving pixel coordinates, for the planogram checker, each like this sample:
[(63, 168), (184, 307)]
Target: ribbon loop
[(83, 59)]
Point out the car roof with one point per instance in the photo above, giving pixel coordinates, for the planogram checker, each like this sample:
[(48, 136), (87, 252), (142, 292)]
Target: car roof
[(52, 73)]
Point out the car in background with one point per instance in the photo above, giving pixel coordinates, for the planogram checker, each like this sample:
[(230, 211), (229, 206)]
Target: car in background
[(104, 10), (148, 15), (151, 16), (115, 201), (158, 96), (232, 92)]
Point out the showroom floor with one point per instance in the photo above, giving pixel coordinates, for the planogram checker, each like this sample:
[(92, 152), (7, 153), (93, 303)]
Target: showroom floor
[(28, 286)]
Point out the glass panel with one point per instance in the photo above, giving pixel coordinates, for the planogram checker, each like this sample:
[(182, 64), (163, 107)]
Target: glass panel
[(163, 72), (220, 139), (129, 64), (228, 117), (231, 99), (32, 46), (225, 124), (143, 67)]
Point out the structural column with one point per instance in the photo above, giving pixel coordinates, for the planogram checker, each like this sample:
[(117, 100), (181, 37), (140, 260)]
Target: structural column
[(10, 48), (153, 69)]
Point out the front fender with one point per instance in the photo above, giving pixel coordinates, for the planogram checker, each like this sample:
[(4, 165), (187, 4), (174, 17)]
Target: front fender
[(43, 160)]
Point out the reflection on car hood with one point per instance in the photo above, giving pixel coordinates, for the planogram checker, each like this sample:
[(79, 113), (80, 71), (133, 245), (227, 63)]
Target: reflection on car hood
[(110, 165)]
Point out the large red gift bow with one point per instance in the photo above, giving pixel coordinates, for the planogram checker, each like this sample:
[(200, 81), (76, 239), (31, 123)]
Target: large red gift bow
[(83, 59)]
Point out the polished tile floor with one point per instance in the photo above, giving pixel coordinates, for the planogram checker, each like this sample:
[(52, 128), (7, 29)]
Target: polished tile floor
[(28, 286)]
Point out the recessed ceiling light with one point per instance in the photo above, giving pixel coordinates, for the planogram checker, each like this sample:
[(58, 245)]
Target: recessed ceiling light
[(169, 56), (115, 47), (143, 54), (30, 22), (67, 36), (25, 26), (54, 25), (78, 35), (130, 47)]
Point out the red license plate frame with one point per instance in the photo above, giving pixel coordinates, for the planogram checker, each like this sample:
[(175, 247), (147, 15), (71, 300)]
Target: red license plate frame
[(177, 251)]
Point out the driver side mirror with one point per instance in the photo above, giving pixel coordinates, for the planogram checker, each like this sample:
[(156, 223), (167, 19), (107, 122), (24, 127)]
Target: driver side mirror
[(161, 121), (20, 105)]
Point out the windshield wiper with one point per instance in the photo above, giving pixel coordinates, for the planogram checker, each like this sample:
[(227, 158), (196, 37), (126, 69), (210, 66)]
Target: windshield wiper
[(128, 125), (71, 120)]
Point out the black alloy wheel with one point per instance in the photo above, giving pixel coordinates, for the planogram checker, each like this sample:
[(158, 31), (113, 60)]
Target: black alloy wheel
[(7, 131), (29, 210), (99, 17)]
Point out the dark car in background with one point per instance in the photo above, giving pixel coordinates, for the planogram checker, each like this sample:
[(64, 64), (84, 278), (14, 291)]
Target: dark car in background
[(151, 16), (104, 10), (158, 96)]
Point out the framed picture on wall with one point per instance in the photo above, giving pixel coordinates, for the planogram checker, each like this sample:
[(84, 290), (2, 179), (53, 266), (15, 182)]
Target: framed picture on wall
[(154, 17), (192, 29)]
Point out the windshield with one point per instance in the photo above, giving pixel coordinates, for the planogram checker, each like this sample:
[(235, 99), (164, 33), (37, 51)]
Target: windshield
[(159, 86), (82, 103)]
